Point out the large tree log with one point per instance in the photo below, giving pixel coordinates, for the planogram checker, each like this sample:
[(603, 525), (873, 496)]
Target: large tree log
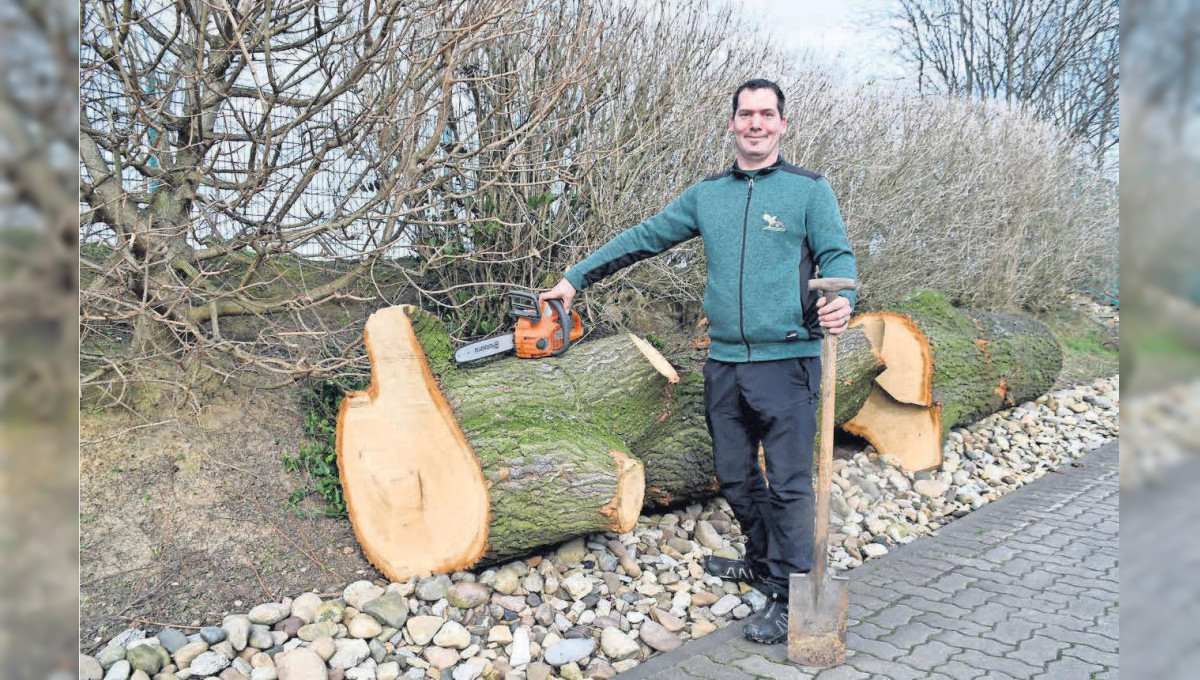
[(498, 459), (947, 367), (445, 466), (677, 450)]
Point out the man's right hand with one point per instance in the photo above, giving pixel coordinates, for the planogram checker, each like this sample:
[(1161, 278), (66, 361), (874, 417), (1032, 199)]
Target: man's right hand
[(563, 290)]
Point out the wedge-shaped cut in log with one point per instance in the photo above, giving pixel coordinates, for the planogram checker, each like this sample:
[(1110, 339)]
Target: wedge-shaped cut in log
[(958, 365), (677, 448), (905, 351), (892, 426), (544, 445)]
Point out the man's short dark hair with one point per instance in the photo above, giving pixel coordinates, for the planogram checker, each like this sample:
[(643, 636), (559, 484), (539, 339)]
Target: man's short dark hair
[(758, 84)]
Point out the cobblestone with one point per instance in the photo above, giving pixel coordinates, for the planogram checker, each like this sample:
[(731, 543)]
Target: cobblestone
[(1024, 587)]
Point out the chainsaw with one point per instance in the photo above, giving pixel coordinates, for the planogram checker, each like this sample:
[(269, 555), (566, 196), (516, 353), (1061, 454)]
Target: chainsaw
[(536, 336)]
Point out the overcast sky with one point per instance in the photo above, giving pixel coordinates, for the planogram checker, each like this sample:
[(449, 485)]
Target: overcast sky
[(848, 34)]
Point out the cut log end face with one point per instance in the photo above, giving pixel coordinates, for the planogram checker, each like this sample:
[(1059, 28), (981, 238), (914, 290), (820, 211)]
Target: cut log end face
[(626, 504), (414, 490)]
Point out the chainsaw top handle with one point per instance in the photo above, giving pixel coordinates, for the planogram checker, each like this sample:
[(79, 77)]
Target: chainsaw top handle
[(524, 305)]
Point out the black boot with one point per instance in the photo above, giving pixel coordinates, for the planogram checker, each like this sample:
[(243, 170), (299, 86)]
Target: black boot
[(769, 626), (732, 570)]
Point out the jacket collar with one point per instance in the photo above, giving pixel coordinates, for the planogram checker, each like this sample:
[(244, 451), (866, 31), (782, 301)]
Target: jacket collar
[(745, 174)]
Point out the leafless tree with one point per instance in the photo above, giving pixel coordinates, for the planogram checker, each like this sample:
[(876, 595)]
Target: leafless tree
[(1059, 58), (259, 159), (38, 322)]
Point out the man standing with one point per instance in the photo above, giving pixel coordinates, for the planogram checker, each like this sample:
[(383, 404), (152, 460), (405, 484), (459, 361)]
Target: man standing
[(766, 226)]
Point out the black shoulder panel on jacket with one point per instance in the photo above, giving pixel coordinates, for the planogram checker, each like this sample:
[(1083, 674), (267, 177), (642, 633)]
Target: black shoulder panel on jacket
[(788, 167), (719, 175)]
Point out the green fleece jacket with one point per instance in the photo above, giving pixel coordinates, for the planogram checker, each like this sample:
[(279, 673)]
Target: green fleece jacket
[(764, 232)]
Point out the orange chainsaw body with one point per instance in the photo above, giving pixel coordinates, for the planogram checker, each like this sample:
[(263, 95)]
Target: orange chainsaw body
[(534, 339)]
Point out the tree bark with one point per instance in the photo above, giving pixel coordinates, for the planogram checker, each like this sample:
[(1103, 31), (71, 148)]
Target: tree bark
[(446, 466), (533, 452)]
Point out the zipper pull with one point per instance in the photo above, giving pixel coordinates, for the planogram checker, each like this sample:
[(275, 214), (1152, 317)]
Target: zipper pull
[(751, 184)]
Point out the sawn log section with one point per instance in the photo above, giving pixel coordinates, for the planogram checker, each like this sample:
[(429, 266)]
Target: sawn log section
[(446, 467)]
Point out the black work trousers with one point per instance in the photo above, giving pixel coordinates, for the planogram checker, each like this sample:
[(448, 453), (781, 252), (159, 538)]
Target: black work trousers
[(773, 403)]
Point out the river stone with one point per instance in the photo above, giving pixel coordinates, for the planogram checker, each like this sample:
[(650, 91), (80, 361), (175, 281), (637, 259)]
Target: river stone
[(208, 663), (118, 671), (389, 609), (572, 552), (521, 653), (930, 488), (260, 637), (707, 535), (469, 670), (452, 634), (266, 673), (703, 598), (171, 639), (578, 586), (658, 637), (300, 664), (315, 630), (668, 621), (291, 625), (468, 595), (538, 671), (682, 545), (512, 603), (433, 588), (617, 646), (333, 610), (500, 634), (185, 654), (567, 651), (89, 668), (269, 614), (349, 653), (212, 634), (507, 580), (701, 628), (440, 657), (144, 658), (364, 626), (237, 630), (126, 636), (423, 628), (305, 606), (324, 647), (725, 605), (110, 655), (359, 593), (874, 550), (387, 671)]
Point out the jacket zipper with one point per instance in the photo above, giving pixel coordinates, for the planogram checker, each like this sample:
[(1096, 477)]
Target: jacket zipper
[(742, 270)]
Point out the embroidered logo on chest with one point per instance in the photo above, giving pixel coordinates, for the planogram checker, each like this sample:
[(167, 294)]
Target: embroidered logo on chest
[(773, 223)]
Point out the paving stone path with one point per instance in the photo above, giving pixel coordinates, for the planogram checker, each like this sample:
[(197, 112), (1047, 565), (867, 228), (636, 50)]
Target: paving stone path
[(1024, 587)]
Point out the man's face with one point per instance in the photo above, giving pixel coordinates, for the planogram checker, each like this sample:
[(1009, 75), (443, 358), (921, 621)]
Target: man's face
[(756, 126)]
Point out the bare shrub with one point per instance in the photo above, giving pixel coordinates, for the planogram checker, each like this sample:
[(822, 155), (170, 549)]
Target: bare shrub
[(991, 206), (269, 162)]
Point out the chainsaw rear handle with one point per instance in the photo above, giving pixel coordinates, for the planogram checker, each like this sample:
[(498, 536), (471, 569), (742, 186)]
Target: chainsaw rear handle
[(565, 322)]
